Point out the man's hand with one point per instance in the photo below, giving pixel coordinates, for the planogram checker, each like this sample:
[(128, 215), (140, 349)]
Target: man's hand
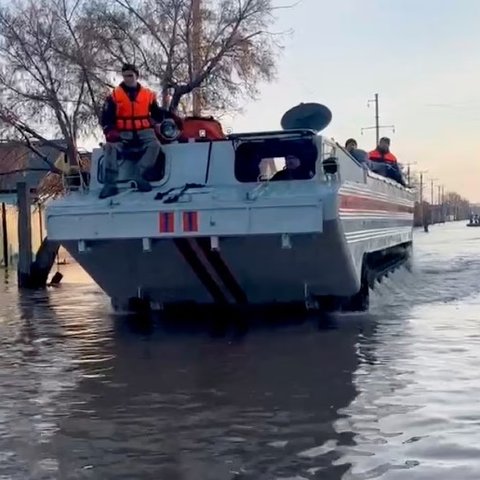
[(113, 136)]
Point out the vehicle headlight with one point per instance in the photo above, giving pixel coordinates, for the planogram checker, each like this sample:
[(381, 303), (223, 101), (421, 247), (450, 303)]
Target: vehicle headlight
[(169, 130)]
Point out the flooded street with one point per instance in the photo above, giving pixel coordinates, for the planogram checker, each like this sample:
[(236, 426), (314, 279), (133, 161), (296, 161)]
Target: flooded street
[(392, 394)]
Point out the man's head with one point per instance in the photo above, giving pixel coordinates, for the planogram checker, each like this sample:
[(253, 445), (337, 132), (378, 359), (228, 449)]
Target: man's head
[(350, 145), (292, 162), (384, 144), (130, 74)]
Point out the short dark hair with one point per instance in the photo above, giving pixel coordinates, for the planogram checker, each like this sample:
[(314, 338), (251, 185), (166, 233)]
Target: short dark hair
[(130, 67), (349, 141), (384, 139)]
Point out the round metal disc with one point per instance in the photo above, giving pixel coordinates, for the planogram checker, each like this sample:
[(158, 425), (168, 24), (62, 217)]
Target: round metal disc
[(312, 116)]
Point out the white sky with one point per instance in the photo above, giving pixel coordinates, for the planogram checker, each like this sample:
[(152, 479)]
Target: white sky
[(413, 53), (422, 58)]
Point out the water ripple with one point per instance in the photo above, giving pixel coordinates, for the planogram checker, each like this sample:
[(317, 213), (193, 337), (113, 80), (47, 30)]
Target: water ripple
[(390, 394)]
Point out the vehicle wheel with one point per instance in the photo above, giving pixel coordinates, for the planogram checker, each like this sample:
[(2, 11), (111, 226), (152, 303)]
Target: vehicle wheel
[(409, 259), (329, 304), (138, 305), (360, 302)]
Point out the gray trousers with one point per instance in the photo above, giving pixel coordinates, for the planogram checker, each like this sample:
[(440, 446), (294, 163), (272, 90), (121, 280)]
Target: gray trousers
[(146, 141)]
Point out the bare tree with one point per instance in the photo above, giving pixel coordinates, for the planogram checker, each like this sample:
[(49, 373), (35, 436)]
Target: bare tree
[(220, 48), (47, 80), (58, 59), (457, 206)]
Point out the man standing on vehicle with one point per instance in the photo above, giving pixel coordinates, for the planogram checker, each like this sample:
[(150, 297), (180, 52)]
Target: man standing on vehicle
[(130, 119)]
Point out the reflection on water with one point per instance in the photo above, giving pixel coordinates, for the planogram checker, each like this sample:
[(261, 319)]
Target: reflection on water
[(390, 394)]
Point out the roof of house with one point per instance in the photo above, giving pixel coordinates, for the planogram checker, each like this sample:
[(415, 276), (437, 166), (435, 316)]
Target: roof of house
[(16, 160)]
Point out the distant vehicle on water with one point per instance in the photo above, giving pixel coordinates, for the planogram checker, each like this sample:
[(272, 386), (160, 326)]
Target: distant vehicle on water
[(474, 221)]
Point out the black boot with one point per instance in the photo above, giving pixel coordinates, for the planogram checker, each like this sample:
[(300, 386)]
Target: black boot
[(142, 185), (108, 190)]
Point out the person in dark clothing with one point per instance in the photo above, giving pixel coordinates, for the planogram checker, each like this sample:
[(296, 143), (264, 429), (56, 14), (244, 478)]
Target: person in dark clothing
[(294, 170), (352, 148), (130, 119), (351, 145)]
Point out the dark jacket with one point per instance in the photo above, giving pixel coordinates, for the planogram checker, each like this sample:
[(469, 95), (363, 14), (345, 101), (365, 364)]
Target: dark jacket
[(108, 117), (295, 174), (361, 156)]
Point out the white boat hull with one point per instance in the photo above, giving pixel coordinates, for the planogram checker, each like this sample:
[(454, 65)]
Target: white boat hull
[(232, 244)]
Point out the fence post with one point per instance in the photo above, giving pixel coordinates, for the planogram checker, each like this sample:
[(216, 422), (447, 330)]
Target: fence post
[(5, 235), (24, 235)]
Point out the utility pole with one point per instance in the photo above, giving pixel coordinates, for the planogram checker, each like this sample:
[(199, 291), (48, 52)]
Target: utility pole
[(432, 202), (421, 187), (439, 201), (408, 170), (377, 119), (443, 204), (196, 54), (377, 126), (423, 216)]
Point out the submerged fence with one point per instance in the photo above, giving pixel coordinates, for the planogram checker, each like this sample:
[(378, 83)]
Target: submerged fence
[(9, 245), (425, 213)]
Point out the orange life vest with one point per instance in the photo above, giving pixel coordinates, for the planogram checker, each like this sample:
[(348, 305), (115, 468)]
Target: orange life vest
[(133, 115), (377, 156)]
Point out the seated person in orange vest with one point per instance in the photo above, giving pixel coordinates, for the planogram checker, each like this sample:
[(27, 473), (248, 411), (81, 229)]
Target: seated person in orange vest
[(130, 116), (384, 162), (294, 170)]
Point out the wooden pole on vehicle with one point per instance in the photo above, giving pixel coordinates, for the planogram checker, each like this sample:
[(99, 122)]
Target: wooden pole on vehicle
[(196, 54)]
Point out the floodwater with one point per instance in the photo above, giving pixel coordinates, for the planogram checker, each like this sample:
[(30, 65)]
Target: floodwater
[(392, 394)]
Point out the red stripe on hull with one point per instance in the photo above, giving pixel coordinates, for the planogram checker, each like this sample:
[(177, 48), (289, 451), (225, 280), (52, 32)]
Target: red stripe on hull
[(190, 221), (355, 202), (166, 222)]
